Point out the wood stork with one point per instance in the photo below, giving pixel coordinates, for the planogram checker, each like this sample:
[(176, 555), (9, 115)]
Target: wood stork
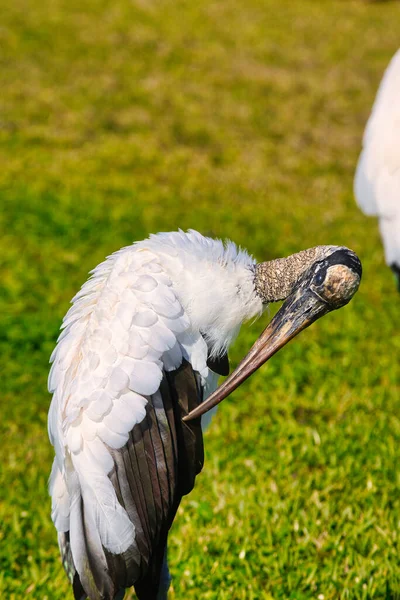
[(141, 347), (377, 179)]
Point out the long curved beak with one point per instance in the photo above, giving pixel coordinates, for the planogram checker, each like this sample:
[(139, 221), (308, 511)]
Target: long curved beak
[(299, 310)]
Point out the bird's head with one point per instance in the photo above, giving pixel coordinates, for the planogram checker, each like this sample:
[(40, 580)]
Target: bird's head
[(312, 283)]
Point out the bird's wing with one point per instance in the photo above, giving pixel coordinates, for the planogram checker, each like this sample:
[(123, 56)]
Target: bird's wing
[(127, 366), (377, 179)]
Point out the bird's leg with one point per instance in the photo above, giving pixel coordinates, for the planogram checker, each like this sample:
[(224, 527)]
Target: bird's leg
[(396, 270), (165, 579)]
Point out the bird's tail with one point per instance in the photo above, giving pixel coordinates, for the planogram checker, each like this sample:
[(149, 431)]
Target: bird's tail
[(68, 564), (92, 571)]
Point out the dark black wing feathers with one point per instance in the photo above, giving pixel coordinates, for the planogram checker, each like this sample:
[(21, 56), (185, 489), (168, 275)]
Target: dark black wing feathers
[(186, 395), (155, 506), (138, 495), (143, 478)]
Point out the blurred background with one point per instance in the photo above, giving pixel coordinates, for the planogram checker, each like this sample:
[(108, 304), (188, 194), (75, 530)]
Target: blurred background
[(241, 120)]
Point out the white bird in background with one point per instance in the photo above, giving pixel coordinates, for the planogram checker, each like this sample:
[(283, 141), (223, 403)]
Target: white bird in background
[(141, 347), (377, 180)]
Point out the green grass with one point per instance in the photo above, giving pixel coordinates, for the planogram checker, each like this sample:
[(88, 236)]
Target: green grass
[(242, 120)]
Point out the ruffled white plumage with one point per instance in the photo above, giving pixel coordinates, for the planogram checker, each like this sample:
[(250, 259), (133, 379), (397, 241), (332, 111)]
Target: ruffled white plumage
[(377, 180)]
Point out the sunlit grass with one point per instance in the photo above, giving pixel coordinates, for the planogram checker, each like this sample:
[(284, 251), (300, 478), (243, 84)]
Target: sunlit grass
[(241, 120)]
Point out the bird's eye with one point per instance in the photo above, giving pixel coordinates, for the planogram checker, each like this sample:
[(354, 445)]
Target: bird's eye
[(319, 278)]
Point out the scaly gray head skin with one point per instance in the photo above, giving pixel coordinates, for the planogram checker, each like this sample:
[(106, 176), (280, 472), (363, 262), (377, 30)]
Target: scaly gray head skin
[(275, 279), (312, 283)]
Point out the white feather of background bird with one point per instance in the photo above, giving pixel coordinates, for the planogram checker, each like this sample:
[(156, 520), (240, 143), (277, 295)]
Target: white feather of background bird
[(377, 179)]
